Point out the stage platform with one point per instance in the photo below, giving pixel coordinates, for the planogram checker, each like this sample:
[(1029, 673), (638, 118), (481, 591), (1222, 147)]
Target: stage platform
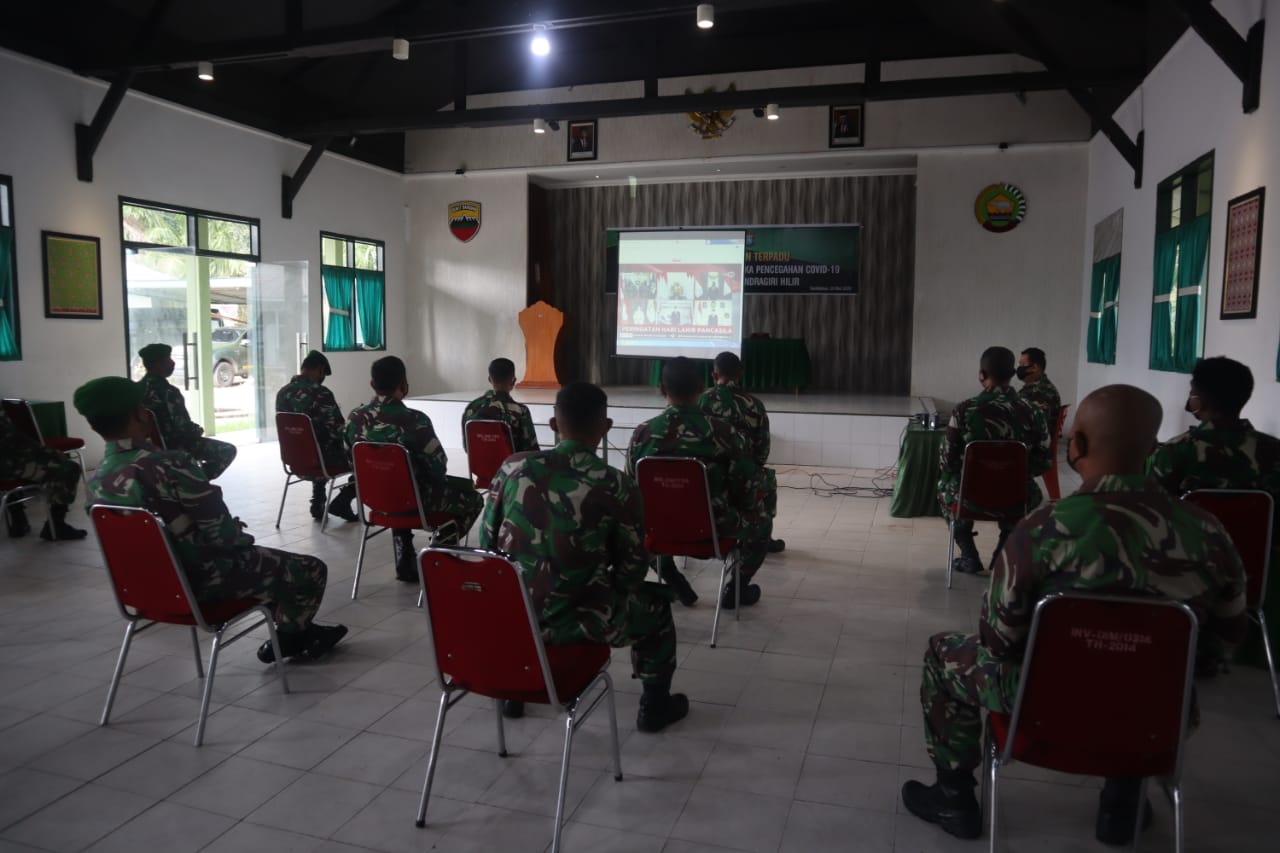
[(820, 428)]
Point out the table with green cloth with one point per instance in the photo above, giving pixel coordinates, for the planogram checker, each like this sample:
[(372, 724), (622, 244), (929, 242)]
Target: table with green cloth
[(915, 491), (51, 416), (766, 363)]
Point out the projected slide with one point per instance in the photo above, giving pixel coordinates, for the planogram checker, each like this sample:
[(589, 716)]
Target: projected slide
[(680, 293)]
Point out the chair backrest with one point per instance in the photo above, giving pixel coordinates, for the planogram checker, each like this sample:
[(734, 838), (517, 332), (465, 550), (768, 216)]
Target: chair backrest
[(1249, 516), (146, 576), (482, 624), (19, 411), (157, 438), (385, 485), (678, 516), (299, 449), (1106, 681), (1057, 427), (994, 480), (489, 444)]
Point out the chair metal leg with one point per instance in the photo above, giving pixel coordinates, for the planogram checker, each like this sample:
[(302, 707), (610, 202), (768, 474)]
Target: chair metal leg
[(1271, 661), (1179, 828), (613, 727), (432, 760), (564, 783), (208, 686), (951, 548), (355, 584), (288, 481), (737, 587), (995, 799), (715, 622), (1137, 819), (324, 519), (502, 731), (422, 594), (115, 677), (195, 645), (274, 636)]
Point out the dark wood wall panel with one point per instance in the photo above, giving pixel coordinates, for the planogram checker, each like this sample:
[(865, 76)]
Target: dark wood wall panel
[(860, 343)]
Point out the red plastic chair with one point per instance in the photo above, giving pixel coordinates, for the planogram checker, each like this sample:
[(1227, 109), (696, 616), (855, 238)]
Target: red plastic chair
[(302, 460), (153, 427), (1051, 476), (993, 482), (152, 587), (679, 520), (20, 412), (487, 641), (1249, 516), (488, 446), (388, 497)]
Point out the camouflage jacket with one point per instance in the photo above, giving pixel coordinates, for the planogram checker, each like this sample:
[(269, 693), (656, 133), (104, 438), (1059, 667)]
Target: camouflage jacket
[(205, 536), (1045, 395), (1116, 534), (391, 421), (1219, 455), (996, 414), (495, 406), (304, 397), (574, 525), (18, 450), (170, 409), (744, 411)]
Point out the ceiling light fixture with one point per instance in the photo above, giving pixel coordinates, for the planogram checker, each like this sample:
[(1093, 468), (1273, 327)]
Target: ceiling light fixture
[(706, 16), (204, 70), (771, 112), (540, 44), (400, 49), (539, 125)]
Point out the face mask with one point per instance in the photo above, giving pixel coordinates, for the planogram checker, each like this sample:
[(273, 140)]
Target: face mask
[(1193, 409), (1071, 461), (1023, 372)]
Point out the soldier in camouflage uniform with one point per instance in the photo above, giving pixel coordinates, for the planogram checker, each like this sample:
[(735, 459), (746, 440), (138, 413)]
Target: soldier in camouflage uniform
[(170, 411), (21, 458), (306, 395), (997, 413), (746, 412), (576, 528), (736, 481), (219, 558), (497, 405), (1120, 533), (1037, 389), (387, 419)]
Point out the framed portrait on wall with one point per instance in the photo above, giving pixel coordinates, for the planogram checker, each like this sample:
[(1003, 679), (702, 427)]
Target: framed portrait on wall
[(582, 140), (1243, 256), (72, 276), (844, 126)]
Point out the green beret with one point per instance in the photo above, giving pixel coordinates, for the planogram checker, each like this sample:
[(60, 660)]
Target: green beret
[(152, 353), (107, 397), (317, 359)]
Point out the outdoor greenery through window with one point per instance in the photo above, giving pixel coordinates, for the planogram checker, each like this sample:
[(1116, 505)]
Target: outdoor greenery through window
[(1184, 208), (10, 336), (354, 293)]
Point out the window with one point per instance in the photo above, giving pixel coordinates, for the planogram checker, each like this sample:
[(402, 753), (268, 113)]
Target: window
[(1104, 305), (1184, 205), (354, 293), (10, 334)]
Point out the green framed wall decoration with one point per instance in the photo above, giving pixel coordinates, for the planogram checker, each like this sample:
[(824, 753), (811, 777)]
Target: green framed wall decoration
[(72, 276)]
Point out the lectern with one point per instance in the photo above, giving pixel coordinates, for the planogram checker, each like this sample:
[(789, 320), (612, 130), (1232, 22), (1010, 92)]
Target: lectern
[(541, 325)]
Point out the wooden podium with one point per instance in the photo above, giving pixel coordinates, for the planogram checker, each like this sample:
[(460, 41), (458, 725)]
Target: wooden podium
[(541, 325)]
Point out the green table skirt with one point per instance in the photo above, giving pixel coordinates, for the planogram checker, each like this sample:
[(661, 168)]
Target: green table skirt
[(915, 491), (51, 415), (766, 363)]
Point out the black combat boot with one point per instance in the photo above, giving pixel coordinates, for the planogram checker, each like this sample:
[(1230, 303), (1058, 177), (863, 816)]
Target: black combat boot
[(950, 803), (969, 562), (317, 500), (750, 595), (673, 578), (56, 528), (512, 709), (777, 546), (1118, 811), (659, 707), (340, 506), (315, 641), (16, 521), (402, 545)]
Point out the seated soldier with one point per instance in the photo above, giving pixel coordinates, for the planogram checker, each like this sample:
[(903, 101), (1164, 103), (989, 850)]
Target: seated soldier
[(170, 411), (1120, 533), (219, 558), (1037, 389), (736, 481), (22, 458), (387, 419), (575, 526), (497, 405), (306, 395), (747, 414), (996, 413)]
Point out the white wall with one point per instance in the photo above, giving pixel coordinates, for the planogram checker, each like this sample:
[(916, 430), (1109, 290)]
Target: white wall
[(1190, 105), (162, 153), (976, 289)]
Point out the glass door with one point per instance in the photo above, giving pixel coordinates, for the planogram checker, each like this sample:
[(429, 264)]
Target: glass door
[(279, 337)]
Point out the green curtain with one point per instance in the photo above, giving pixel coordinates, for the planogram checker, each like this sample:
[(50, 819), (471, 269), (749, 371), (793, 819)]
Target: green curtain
[(1166, 275), (1101, 344), (1193, 273), (9, 350), (371, 296), (339, 284)]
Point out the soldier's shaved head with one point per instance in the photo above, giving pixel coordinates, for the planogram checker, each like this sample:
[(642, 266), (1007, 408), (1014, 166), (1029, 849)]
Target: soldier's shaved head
[(1114, 431), (681, 380), (998, 364), (581, 413)]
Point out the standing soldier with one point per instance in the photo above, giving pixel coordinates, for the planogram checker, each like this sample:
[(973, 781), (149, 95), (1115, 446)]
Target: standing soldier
[(219, 558), (306, 395), (1119, 533), (996, 413), (575, 526), (387, 419), (736, 481), (1037, 389), (497, 405), (170, 411), (21, 458)]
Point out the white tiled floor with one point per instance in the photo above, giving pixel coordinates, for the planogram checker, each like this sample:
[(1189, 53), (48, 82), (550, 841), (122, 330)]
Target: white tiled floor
[(804, 723)]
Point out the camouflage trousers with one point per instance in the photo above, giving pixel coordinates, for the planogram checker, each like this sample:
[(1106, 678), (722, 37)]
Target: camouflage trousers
[(214, 456), (955, 687), (58, 474), (292, 583), (770, 502), (753, 531), (457, 497), (641, 620)]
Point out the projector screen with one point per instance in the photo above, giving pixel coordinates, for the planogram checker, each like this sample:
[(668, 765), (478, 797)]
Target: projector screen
[(680, 293)]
